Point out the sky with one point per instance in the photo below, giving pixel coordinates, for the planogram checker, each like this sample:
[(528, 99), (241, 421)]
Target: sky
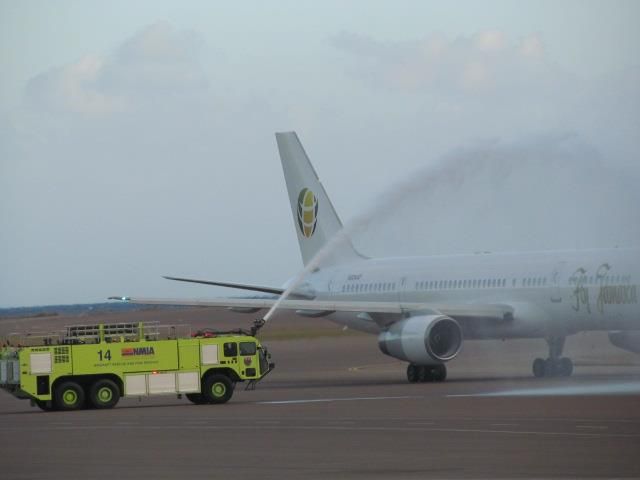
[(136, 138)]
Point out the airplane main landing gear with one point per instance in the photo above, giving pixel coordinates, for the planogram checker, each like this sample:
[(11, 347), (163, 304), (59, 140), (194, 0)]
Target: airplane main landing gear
[(428, 373), (556, 365)]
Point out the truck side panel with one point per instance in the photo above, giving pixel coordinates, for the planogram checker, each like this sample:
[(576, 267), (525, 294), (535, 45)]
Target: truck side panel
[(125, 357)]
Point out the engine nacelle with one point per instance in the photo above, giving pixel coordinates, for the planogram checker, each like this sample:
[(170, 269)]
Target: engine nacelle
[(629, 341), (422, 339)]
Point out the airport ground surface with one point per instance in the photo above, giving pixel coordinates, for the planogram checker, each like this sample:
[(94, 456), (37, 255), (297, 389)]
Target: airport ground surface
[(335, 407)]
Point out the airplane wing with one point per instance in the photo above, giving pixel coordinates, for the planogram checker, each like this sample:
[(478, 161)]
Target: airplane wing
[(383, 313)]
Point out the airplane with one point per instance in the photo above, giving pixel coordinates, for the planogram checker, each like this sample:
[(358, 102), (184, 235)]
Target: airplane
[(422, 308)]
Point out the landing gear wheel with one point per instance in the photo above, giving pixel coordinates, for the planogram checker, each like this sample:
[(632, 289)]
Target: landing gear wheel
[(412, 373), (217, 389), (550, 368), (68, 396), (424, 374), (104, 394), (196, 398), (538, 368), (439, 373), (565, 367)]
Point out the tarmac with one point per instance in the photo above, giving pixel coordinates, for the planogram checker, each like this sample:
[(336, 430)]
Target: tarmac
[(335, 407)]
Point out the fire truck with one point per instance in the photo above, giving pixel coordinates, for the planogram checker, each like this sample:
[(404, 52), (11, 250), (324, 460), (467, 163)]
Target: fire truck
[(93, 366)]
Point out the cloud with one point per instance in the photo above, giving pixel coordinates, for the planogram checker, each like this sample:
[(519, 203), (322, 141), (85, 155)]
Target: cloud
[(156, 64), (485, 62)]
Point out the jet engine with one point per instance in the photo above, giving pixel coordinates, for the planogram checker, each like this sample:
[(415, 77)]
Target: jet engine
[(422, 339), (629, 341)]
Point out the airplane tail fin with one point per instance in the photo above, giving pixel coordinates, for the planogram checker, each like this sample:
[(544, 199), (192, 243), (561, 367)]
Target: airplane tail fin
[(315, 219)]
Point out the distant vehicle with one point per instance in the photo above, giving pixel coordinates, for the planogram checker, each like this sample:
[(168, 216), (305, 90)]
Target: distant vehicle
[(421, 308), (95, 365)]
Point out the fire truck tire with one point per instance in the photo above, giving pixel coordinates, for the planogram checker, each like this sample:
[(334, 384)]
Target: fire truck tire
[(196, 398), (68, 396), (217, 389), (103, 394), (44, 405)]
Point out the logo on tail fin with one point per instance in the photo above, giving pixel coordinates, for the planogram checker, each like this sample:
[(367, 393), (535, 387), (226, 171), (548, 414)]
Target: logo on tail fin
[(307, 212)]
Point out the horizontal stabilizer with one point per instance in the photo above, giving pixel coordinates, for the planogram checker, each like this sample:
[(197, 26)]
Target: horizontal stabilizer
[(241, 286)]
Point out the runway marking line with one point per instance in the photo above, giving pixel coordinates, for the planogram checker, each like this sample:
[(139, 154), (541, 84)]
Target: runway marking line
[(328, 400), (352, 428)]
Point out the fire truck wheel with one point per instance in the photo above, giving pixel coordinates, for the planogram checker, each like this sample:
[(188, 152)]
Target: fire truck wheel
[(196, 398), (43, 405), (104, 394), (68, 396), (217, 389)]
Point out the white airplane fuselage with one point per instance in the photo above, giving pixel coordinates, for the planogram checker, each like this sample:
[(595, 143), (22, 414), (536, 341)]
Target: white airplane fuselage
[(556, 293)]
